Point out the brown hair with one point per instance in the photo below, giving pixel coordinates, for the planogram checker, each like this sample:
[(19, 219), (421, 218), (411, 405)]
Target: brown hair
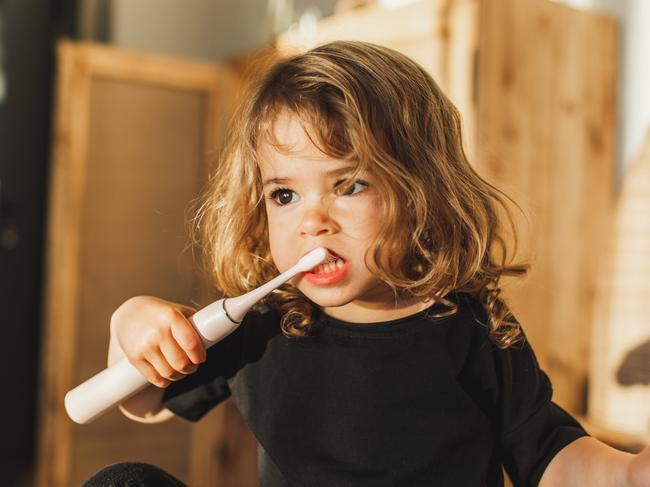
[(378, 109)]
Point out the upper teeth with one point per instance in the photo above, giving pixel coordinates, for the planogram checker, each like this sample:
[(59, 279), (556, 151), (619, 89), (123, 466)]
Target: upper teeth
[(329, 266)]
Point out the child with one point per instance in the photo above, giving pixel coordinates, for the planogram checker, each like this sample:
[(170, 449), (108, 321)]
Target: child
[(397, 364)]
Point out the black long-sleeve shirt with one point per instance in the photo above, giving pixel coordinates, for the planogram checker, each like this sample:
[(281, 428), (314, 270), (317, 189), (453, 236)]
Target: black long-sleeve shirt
[(416, 401)]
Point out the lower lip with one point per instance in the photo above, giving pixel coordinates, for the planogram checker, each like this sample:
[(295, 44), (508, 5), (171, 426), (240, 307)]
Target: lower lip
[(330, 277)]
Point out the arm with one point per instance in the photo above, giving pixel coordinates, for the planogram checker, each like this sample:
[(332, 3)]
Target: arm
[(589, 462)]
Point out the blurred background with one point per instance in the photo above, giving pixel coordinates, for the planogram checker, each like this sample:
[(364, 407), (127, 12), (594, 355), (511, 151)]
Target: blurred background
[(112, 113)]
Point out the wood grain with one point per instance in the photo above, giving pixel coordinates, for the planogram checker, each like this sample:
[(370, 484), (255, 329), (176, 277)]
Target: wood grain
[(545, 127)]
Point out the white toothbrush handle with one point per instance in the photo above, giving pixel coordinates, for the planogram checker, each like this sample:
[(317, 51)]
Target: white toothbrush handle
[(101, 392), (122, 380)]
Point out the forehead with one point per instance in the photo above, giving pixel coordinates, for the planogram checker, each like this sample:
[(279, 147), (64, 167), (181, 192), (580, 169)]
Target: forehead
[(288, 129), (290, 141)]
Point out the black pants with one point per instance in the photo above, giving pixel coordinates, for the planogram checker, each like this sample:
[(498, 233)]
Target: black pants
[(132, 474)]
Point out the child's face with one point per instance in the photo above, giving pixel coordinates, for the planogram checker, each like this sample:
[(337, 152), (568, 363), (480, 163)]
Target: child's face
[(306, 211)]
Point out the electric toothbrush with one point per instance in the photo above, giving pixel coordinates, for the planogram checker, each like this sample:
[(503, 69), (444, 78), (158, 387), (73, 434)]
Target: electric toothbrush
[(115, 384)]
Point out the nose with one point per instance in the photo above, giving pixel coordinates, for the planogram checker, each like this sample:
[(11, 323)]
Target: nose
[(316, 222)]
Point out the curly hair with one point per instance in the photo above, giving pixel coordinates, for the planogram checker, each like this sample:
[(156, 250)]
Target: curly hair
[(381, 111)]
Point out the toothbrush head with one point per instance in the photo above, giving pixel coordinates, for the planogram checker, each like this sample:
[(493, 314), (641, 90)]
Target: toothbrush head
[(312, 259), (238, 306)]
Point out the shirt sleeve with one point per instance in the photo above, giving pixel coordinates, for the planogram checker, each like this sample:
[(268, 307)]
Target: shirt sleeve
[(532, 429), (517, 394), (196, 394)]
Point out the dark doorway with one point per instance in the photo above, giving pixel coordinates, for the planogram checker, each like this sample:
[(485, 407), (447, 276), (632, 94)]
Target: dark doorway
[(28, 30)]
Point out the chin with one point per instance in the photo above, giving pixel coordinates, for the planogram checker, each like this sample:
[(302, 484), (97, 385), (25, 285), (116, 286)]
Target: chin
[(329, 303), (326, 298)]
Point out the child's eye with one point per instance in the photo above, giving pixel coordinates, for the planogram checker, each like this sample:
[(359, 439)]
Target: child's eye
[(282, 196), (350, 190)]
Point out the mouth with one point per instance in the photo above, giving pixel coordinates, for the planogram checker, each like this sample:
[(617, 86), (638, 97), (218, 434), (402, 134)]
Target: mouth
[(332, 262), (330, 271)]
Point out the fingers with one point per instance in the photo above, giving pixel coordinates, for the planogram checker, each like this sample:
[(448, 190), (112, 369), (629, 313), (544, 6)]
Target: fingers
[(188, 339), (166, 364), (161, 360), (150, 373), (158, 338), (176, 360)]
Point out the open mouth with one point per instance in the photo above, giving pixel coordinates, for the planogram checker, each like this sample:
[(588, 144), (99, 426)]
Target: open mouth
[(333, 263), (330, 272)]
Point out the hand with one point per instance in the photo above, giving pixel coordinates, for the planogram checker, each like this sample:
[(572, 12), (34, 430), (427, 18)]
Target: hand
[(158, 339), (638, 471)]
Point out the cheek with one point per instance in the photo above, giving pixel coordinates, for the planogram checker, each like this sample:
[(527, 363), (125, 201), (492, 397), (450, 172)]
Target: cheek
[(362, 218), (278, 244), (364, 228), (392, 252)]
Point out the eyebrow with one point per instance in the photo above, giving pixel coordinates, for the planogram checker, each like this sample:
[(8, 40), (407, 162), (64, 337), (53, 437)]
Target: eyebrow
[(336, 172)]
